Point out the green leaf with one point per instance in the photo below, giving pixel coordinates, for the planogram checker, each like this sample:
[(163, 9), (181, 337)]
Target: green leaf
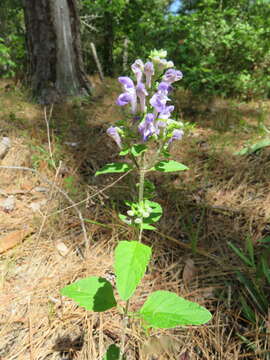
[(131, 260), (124, 152), (250, 249), (165, 153), (147, 227), (240, 253), (247, 310), (265, 268), (93, 293), (265, 240), (113, 353), (164, 309), (114, 168), (125, 219), (138, 149), (253, 148), (169, 166), (149, 189), (156, 212), (254, 293)]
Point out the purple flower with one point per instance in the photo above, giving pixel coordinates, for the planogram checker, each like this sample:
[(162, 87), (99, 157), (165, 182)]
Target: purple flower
[(126, 82), (129, 96), (176, 135), (113, 132), (158, 101), (124, 99), (149, 72), (164, 87), (166, 113), (147, 127), (160, 124), (172, 75), (138, 67), (141, 93)]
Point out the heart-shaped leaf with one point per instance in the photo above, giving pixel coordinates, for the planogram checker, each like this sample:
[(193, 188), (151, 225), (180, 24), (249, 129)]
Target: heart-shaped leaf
[(92, 293), (164, 309), (131, 260)]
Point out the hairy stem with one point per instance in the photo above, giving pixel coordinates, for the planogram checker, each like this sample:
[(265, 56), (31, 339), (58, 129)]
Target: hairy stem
[(141, 190), (124, 329)]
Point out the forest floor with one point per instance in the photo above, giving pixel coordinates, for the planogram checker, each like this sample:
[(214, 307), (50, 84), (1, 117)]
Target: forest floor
[(52, 194)]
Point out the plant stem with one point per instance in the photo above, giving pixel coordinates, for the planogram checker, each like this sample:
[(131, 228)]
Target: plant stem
[(141, 190), (124, 328), (141, 179)]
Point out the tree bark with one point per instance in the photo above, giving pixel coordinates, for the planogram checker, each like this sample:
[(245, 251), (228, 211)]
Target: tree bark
[(108, 43), (55, 67)]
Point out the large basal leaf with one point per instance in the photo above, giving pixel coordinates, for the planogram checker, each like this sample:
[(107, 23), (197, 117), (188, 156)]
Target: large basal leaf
[(169, 166), (113, 353), (93, 293), (131, 260), (164, 309), (114, 168)]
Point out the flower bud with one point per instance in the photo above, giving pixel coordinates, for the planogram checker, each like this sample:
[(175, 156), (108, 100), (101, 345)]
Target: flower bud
[(145, 214)]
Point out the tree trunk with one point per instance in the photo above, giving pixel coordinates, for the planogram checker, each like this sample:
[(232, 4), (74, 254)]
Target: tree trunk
[(54, 50), (108, 43)]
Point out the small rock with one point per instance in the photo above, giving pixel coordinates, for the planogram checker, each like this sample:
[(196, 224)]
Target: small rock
[(41, 189), (62, 248), (35, 206), (8, 204)]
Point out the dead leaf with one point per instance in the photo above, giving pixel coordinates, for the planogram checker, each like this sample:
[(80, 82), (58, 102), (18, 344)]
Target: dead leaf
[(189, 271), (12, 239)]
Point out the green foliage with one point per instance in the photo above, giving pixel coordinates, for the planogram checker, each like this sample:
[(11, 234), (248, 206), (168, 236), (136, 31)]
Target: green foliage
[(114, 168), (149, 189), (169, 166), (131, 260), (6, 64), (92, 293), (142, 214), (113, 353), (222, 47), (253, 148), (224, 50), (123, 16), (255, 279), (164, 310), (12, 41), (69, 183)]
